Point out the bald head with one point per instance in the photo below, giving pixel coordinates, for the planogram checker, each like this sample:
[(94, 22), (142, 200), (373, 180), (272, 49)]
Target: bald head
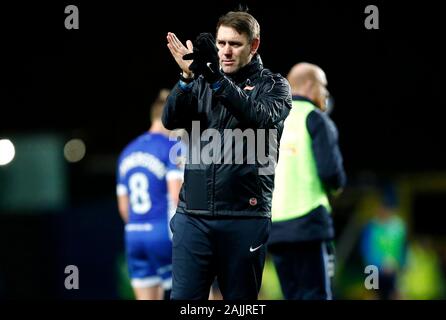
[(309, 80)]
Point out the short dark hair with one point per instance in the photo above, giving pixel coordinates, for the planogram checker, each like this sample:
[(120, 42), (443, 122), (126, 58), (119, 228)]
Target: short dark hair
[(157, 107), (241, 21)]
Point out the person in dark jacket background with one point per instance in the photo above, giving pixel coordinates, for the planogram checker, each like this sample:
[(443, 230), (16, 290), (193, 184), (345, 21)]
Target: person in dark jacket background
[(309, 171), (223, 218)]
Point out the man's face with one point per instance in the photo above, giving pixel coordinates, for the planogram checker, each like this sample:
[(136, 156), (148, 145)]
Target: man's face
[(234, 50), (320, 92)]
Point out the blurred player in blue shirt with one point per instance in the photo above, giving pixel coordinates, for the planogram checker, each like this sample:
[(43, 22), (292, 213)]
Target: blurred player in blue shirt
[(149, 177)]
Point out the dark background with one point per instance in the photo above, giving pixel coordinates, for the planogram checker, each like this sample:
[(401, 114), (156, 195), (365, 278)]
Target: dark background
[(102, 78), (97, 83)]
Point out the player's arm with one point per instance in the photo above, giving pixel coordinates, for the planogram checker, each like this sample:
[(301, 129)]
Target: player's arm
[(122, 192), (122, 197), (123, 207), (173, 187), (175, 172)]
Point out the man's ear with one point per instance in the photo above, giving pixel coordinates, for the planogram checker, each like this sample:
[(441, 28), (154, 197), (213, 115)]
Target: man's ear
[(255, 45)]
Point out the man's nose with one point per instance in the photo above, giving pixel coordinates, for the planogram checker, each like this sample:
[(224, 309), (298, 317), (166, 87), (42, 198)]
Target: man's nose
[(227, 50)]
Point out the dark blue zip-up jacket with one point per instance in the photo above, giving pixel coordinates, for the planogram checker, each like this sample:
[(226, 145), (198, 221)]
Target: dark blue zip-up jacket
[(253, 98)]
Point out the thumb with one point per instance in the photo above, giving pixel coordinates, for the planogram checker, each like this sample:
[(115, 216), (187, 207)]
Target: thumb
[(189, 45)]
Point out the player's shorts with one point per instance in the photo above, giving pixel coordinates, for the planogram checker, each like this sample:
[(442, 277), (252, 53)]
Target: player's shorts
[(149, 255)]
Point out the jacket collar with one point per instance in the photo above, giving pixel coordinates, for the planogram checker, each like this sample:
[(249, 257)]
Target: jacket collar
[(302, 98), (254, 66)]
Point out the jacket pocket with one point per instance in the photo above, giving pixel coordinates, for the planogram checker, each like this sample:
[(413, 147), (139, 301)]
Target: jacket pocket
[(196, 190), (177, 228), (238, 188)]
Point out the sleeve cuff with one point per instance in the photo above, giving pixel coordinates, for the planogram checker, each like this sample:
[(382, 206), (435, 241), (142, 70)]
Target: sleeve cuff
[(174, 175), (186, 87), (121, 190), (216, 85)]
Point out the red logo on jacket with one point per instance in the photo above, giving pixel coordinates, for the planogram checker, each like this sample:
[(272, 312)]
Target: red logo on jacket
[(253, 201)]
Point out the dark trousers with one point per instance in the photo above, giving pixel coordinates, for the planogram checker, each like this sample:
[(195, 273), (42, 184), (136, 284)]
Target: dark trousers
[(304, 269), (387, 285), (231, 249)]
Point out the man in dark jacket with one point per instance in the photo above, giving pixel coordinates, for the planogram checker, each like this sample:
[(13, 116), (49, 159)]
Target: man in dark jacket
[(309, 171), (226, 98)]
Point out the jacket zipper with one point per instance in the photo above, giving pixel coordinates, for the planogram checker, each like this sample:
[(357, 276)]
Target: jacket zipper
[(214, 169)]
